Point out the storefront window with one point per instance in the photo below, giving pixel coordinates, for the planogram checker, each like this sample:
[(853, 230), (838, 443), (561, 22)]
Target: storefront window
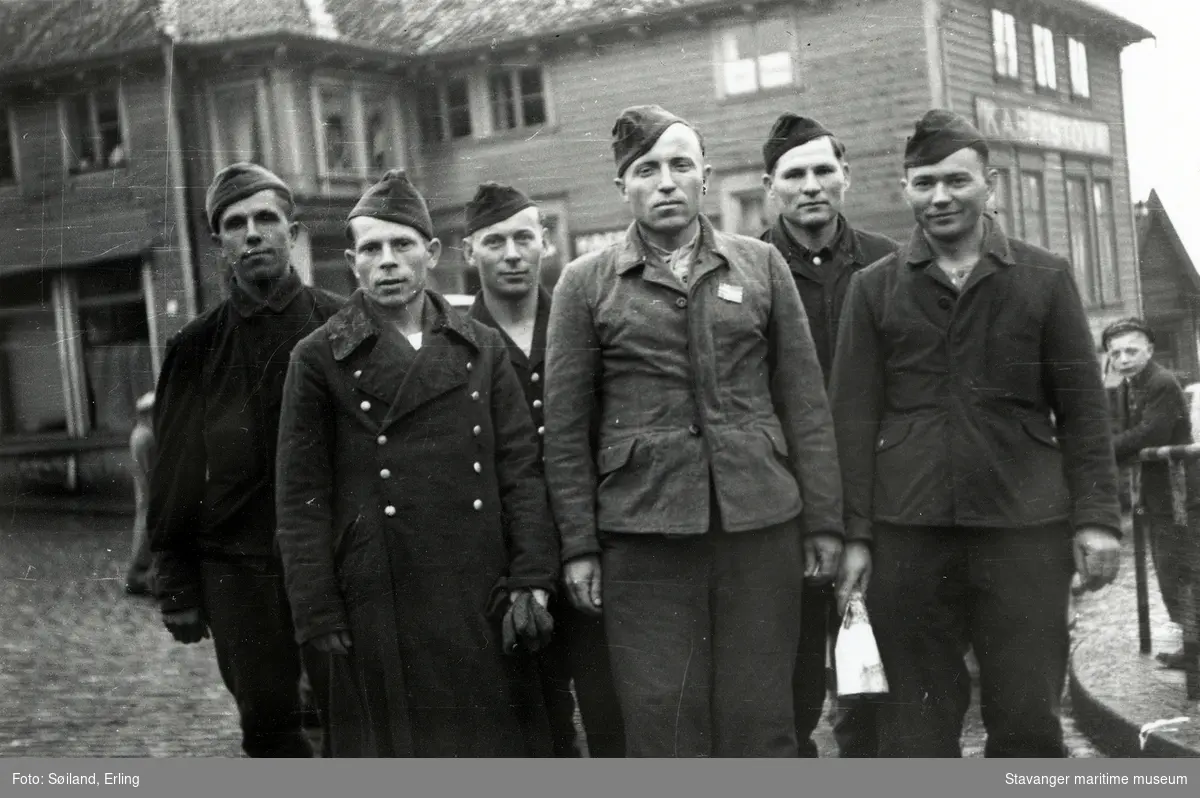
[(32, 400)]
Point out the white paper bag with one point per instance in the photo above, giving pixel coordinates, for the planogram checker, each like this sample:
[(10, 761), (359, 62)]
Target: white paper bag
[(859, 668)]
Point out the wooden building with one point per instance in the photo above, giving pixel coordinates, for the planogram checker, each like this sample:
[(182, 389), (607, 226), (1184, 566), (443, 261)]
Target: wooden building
[(118, 112), (1170, 290)]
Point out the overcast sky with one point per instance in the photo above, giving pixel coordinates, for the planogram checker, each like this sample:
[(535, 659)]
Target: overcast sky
[(1162, 108)]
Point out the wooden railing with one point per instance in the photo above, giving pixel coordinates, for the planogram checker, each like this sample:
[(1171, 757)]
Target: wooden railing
[(1177, 459)]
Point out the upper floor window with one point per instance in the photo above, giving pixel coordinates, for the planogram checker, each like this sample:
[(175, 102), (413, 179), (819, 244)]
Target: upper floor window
[(755, 57), (517, 98), (1004, 44), (355, 133), (1078, 60), (237, 123), (445, 110), (1044, 74), (93, 131), (8, 154)]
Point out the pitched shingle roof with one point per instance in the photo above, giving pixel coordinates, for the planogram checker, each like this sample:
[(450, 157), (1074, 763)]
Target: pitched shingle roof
[(39, 33)]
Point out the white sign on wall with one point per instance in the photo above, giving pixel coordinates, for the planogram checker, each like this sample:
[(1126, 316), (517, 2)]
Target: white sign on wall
[(1045, 129)]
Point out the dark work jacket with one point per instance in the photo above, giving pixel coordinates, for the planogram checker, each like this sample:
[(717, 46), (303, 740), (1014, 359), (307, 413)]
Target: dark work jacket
[(1154, 412), (410, 501), (822, 278), (661, 396), (530, 368), (216, 417), (943, 402)]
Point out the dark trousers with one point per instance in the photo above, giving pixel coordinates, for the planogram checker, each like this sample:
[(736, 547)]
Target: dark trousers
[(579, 655), (257, 654), (934, 590), (703, 632), (1176, 556)]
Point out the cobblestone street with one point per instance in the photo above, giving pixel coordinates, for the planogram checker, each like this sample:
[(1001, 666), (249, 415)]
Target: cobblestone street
[(89, 671)]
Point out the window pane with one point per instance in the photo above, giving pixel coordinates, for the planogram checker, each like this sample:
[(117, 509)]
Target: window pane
[(1106, 240), (740, 67), (8, 171), (533, 103), (429, 113), (774, 36), (1032, 209), (81, 150), (1079, 68), (105, 279), (1010, 38), (775, 69), (335, 129), (108, 126), (31, 387), (1043, 55), (379, 134), (501, 96), (237, 124), (116, 363), (458, 107), (1081, 250), (752, 214)]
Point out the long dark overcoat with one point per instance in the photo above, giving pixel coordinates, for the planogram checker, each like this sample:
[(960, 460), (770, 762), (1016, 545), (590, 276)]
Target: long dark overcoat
[(410, 499)]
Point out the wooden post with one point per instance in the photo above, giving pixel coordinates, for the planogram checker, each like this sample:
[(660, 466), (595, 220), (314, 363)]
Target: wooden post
[(1187, 591), (1139, 556)]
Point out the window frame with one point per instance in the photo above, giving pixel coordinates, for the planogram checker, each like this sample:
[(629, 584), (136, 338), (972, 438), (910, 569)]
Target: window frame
[(1042, 217), (361, 172), (64, 102), (1010, 70), (1045, 66), (1113, 247), (513, 73), (726, 32), (1088, 286), (1075, 48), (261, 113), (13, 142), (1008, 211)]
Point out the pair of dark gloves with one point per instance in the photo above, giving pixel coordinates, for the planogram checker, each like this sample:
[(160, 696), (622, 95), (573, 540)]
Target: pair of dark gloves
[(526, 625)]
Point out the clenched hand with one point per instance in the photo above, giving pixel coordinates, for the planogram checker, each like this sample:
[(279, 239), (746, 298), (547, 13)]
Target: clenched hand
[(582, 577)]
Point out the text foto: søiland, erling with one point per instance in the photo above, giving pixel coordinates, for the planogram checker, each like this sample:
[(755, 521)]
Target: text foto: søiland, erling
[(90, 779)]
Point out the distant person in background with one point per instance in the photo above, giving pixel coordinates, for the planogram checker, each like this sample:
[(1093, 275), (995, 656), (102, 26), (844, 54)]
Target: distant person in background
[(1153, 411), (141, 447)]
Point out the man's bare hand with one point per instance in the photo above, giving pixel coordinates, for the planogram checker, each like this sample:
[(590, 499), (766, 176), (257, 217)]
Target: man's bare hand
[(1097, 556), (582, 577), (335, 642), (854, 573), (539, 595), (822, 556), (186, 626)]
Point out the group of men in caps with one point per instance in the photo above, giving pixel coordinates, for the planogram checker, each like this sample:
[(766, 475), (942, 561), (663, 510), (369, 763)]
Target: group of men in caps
[(651, 493)]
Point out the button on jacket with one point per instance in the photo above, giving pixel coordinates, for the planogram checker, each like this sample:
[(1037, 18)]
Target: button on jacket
[(943, 401), (657, 395), (823, 277), (530, 368), (216, 420)]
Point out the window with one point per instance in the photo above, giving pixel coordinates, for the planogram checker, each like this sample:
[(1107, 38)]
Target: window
[(356, 132), (1078, 59), (1033, 209), (750, 210), (1044, 74), (1002, 201), (1106, 240), (1081, 238), (237, 126), (517, 98), (756, 57), (74, 351), (446, 111), (93, 132), (1004, 44), (8, 155), (334, 130)]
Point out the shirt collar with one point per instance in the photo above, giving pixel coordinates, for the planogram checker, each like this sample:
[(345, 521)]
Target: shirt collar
[(995, 243), (841, 245), (282, 294), (631, 253)]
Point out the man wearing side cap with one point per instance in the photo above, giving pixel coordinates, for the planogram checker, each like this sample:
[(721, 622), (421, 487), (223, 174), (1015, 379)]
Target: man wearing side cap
[(976, 453), (416, 538), (807, 175), (504, 242), (687, 437), (211, 514)]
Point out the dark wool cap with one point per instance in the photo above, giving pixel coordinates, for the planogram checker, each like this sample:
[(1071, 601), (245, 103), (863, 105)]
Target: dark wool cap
[(636, 131), (790, 130), (1123, 326), (394, 199), (236, 182), (938, 134), (493, 203)]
